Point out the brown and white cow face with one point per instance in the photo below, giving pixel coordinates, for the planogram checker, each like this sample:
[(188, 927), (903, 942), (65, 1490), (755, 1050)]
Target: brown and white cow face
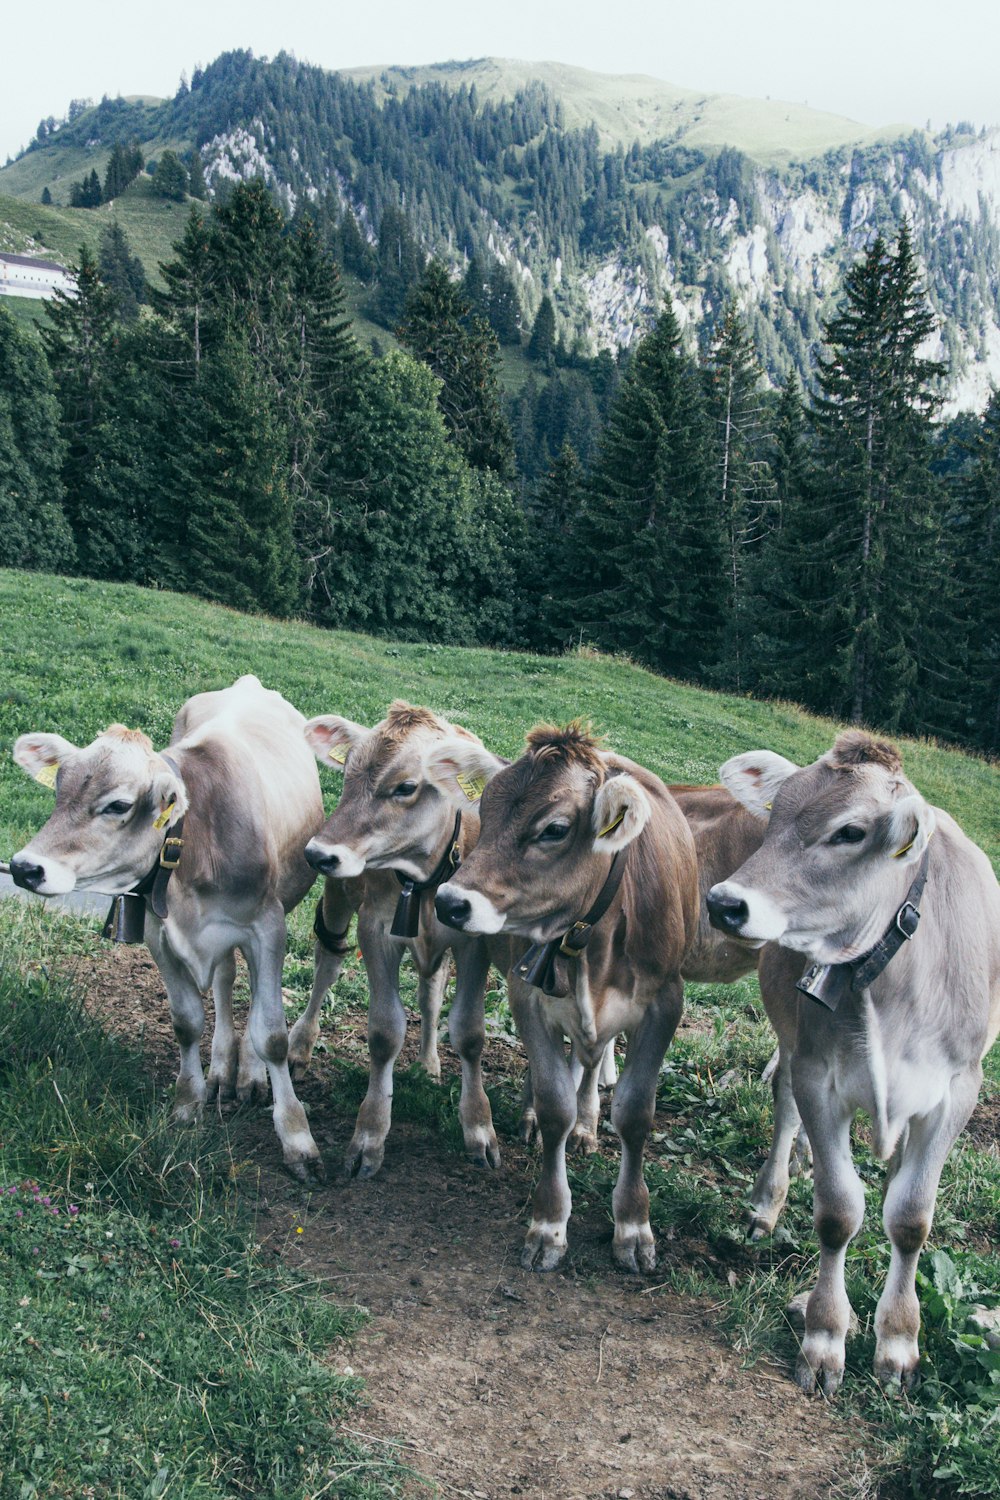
[(393, 813), (843, 838), (115, 801), (545, 823)]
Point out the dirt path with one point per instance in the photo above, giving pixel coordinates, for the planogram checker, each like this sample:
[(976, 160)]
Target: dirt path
[(497, 1382)]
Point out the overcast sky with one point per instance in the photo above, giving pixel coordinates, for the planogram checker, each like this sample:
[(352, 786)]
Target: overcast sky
[(878, 61)]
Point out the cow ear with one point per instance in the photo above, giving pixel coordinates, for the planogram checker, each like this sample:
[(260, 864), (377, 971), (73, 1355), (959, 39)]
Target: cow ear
[(756, 778), (621, 812), (41, 755), (169, 797), (332, 739), (909, 828), (460, 768)]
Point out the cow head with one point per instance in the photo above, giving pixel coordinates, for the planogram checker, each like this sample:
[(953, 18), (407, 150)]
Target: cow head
[(549, 825), (395, 813), (842, 841), (115, 800)]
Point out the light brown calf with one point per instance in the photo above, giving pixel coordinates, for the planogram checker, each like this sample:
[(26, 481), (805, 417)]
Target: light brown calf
[(586, 855)]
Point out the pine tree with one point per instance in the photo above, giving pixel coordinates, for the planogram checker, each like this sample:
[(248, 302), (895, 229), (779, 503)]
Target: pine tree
[(121, 272), (399, 266), (542, 344), (461, 349), (46, 196), (872, 419), (741, 476), (187, 297), (550, 577), (976, 662), (34, 532), (647, 551), (504, 306), (170, 180), (196, 174)]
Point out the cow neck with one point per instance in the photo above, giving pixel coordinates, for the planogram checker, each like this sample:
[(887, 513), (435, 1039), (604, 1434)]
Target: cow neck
[(126, 919), (540, 965), (406, 918), (827, 984)]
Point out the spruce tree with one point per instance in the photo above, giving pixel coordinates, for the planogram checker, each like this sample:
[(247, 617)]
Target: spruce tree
[(542, 344), (121, 272), (188, 295), (880, 502), (647, 550), (504, 306), (461, 349), (978, 560), (34, 532), (398, 269)]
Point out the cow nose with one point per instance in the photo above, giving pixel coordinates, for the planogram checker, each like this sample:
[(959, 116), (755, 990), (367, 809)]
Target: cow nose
[(452, 909), (727, 913), (26, 874), (321, 859)]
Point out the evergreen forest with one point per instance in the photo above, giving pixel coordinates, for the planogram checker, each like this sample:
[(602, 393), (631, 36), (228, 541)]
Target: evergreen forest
[(226, 434)]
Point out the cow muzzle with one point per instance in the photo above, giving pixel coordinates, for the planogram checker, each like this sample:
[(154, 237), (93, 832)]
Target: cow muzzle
[(48, 878), (466, 910), (335, 860), (727, 913)]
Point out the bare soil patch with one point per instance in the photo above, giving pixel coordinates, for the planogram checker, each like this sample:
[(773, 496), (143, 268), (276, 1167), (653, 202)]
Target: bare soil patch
[(495, 1382)]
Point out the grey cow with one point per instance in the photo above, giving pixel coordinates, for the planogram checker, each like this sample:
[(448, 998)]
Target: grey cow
[(240, 776), (852, 852)]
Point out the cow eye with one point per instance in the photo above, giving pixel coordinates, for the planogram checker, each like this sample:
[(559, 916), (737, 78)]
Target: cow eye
[(116, 809), (405, 789), (849, 834), (553, 832)]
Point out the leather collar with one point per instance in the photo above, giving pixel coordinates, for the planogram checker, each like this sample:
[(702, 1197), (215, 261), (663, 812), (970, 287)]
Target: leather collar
[(126, 919), (406, 918), (829, 983), (541, 966)]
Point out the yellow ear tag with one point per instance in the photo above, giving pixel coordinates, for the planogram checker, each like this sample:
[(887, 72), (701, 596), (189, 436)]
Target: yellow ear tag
[(47, 776), (472, 786), (337, 753), (164, 818), (612, 826)]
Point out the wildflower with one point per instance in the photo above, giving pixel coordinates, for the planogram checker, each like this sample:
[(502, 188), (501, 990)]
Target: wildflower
[(46, 1202), (19, 1213), (73, 1210), (34, 1250), (298, 1229), (175, 1244), (56, 1212)]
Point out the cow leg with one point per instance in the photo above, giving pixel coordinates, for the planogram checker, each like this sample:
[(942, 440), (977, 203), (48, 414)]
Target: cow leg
[(221, 1081), (607, 1074), (430, 997), (838, 1211), (632, 1111), (771, 1187), (338, 910), (265, 952), (386, 1034), (187, 1013), (583, 1136), (779, 971), (555, 1105), (915, 1171), (467, 1027)]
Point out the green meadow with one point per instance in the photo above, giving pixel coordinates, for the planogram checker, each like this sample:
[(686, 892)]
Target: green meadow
[(76, 655)]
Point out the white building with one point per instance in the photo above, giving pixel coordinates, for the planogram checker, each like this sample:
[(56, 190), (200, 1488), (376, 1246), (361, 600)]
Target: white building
[(24, 276)]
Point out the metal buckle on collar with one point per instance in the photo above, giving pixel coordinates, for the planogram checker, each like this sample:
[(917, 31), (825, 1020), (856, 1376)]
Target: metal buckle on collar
[(581, 932), (168, 862), (907, 920)]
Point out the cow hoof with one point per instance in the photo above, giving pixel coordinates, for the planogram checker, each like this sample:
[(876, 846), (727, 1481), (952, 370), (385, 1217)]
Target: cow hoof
[(363, 1162), (481, 1147), (634, 1248), (186, 1112), (582, 1141), (488, 1156), (218, 1090), (306, 1169), (896, 1361), (825, 1381), (544, 1247), (758, 1228), (253, 1090)]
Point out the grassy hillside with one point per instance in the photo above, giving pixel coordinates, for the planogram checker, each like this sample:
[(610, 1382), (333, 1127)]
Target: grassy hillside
[(75, 655), (630, 107), (151, 223)]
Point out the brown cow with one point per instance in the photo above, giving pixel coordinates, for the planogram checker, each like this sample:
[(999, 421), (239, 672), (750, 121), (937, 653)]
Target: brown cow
[(394, 829), (903, 931), (725, 835), (587, 855)]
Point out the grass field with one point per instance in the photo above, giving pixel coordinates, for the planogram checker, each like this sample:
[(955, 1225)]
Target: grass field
[(75, 655)]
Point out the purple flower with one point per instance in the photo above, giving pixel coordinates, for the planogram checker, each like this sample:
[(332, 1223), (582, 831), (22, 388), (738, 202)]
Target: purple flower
[(73, 1210), (12, 1190), (19, 1213), (46, 1201), (34, 1250), (56, 1212), (175, 1244)]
